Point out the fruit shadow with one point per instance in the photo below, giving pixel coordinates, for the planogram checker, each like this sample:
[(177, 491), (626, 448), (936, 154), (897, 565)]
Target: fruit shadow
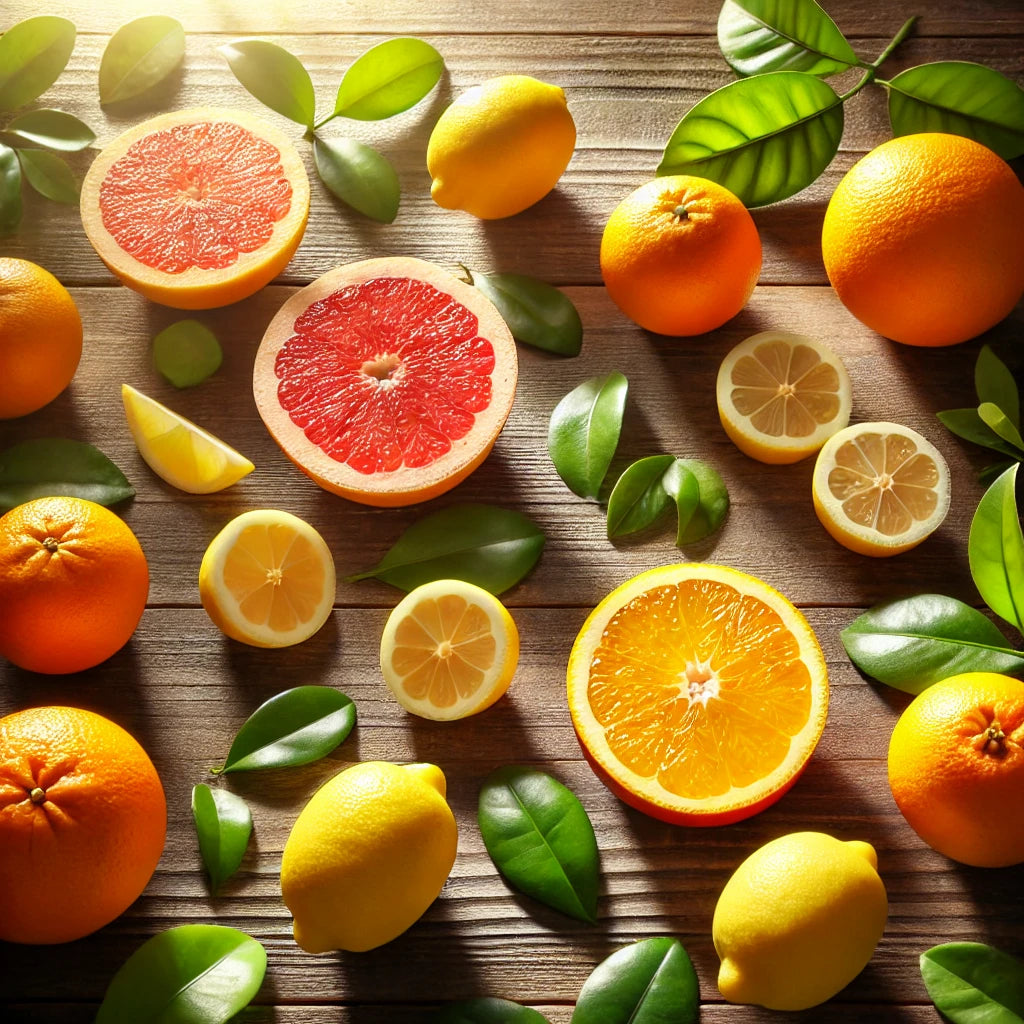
[(791, 232)]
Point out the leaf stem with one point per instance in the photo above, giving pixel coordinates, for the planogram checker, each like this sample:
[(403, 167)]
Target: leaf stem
[(896, 40), (323, 121), (869, 76)]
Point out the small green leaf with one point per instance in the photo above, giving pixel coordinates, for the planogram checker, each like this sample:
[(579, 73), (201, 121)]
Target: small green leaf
[(358, 175), (701, 497), (638, 498), (487, 1011), (54, 129), (999, 423), (295, 727), (966, 423), (995, 550), (491, 547), (10, 189), (32, 54), (971, 983), (223, 825), (584, 432), (763, 138), (193, 974), (46, 467), (275, 77), (139, 56), (389, 78), (49, 175), (539, 836), (994, 383), (186, 353)]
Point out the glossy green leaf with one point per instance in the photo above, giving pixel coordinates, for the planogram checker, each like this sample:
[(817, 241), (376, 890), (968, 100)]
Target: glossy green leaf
[(966, 423), (971, 983), (487, 1011), (995, 549), (186, 353), (916, 641), (193, 974), (49, 175), (358, 175), (389, 78), (10, 190), (540, 838), (139, 56), (763, 138), (638, 499), (54, 129), (994, 383), (959, 98), (32, 54), (274, 76), (701, 497), (223, 825), (295, 727), (46, 467), (584, 432), (756, 36), (649, 982), (1000, 424)]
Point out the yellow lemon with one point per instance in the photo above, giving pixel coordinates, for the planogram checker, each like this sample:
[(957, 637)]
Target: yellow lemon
[(798, 921), (500, 147), (368, 854)]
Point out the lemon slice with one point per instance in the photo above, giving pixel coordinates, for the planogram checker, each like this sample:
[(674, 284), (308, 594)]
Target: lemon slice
[(449, 650), (178, 451), (880, 488), (267, 579), (781, 396)]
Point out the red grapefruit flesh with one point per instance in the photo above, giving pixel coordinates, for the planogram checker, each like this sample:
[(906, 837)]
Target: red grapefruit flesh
[(198, 208), (387, 381)]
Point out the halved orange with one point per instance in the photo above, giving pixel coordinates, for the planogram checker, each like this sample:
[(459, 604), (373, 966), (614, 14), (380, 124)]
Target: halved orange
[(698, 693)]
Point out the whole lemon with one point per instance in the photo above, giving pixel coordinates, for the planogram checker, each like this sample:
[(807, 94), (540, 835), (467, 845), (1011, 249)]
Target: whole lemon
[(798, 920), (500, 147), (368, 854)]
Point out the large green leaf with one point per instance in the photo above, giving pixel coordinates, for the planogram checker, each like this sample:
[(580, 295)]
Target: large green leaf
[(223, 826), (10, 189), (358, 175), (139, 56), (995, 549), (49, 175), (389, 78), (32, 54), (274, 76), (763, 138), (966, 423), (54, 129), (971, 983), (638, 498)]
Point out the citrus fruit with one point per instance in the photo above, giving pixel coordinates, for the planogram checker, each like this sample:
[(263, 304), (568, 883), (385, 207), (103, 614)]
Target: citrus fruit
[(500, 147), (956, 768), (368, 854), (698, 693), (73, 584), (449, 650), (798, 920), (82, 823), (387, 381), (922, 239), (880, 488), (267, 579), (781, 396), (40, 337), (197, 208), (680, 255), (178, 451)]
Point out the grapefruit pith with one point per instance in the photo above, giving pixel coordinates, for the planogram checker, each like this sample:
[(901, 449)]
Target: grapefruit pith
[(387, 381), (197, 208)]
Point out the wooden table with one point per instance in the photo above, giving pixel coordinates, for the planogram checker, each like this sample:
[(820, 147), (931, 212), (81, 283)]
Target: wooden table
[(630, 71)]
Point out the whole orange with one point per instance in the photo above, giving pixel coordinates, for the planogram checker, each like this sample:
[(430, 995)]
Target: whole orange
[(40, 337), (680, 255), (956, 768), (73, 584), (82, 823), (923, 239)]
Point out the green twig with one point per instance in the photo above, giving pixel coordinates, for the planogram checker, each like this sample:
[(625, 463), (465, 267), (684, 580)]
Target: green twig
[(869, 76), (896, 40)]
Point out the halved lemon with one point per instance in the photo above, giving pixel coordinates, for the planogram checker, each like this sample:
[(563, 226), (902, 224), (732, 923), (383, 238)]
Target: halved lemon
[(698, 693), (177, 450), (267, 579), (781, 396), (880, 488), (449, 650)]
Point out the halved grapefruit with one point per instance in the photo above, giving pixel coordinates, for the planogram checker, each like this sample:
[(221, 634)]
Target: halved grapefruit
[(198, 208), (387, 381)]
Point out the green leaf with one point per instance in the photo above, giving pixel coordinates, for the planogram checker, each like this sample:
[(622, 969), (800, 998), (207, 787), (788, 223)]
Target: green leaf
[(46, 467), (763, 138), (193, 974), (186, 353), (999, 423), (223, 825), (701, 497), (295, 727), (959, 98), (140, 55), (389, 78), (971, 983), (994, 383), (537, 313), (54, 129), (358, 175), (917, 641), (995, 549), (966, 423), (756, 36), (276, 78), (491, 547), (49, 175), (540, 838), (584, 432), (649, 982), (32, 54), (10, 189), (487, 1011), (989, 473), (638, 498)]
